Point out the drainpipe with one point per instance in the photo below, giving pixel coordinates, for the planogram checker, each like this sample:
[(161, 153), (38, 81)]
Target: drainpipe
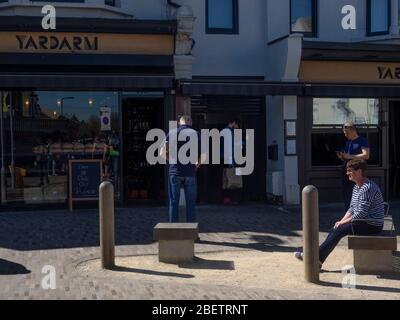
[(12, 140), (3, 170)]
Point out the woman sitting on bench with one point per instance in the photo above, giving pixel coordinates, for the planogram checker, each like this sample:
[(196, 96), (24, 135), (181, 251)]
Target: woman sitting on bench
[(365, 215)]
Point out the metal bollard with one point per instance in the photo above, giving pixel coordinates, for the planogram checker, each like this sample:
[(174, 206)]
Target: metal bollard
[(310, 233), (107, 226)]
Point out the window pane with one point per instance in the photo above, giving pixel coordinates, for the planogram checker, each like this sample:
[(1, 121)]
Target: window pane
[(220, 14), (379, 15), (398, 13), (45, 131), (301, 15), (336, 111)]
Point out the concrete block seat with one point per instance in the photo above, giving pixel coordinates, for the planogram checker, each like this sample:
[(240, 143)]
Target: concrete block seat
[(373, 253), (176, 241)]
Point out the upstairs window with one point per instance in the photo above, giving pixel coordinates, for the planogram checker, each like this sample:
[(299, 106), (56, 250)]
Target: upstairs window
[(222, 16), (303, 17), (378, 17)]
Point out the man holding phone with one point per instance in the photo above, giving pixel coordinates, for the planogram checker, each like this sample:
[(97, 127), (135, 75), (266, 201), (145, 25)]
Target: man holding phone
[(357, 147)]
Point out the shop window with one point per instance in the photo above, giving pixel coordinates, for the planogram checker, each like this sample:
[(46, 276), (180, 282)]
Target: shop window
[(303, 17), (334, 111), (45, 130), (327, 137), (222, 16), (378, 17)]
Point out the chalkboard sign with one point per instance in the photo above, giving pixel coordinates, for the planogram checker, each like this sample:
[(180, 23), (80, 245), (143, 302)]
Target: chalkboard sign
[(84, 179)]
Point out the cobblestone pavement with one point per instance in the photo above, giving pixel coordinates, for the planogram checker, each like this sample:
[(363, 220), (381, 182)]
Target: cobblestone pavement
[(30, 241)]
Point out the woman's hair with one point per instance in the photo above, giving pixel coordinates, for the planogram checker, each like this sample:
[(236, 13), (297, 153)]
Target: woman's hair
[(356, 164)]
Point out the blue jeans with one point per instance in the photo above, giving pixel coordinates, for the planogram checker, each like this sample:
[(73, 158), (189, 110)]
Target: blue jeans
[(189, 185), (359, 228)]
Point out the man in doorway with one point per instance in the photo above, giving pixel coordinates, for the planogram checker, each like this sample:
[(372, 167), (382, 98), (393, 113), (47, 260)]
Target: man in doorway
[(356, 148), (229, 195), (182, 175)]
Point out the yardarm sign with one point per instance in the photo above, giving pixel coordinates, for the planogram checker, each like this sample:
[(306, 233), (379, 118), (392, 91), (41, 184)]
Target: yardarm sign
[(44, 42), (86, 42)]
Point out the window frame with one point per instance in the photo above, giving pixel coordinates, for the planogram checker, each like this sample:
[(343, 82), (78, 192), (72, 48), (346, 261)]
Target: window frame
[(314, 20), (235, 20), (369, 17)]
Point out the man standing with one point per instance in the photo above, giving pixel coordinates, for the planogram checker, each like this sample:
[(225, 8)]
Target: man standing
[(356, 148), (182, 175), (228, 163)]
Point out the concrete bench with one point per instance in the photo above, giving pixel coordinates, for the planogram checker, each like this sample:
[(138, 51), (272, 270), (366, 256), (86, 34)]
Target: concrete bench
[(373, 253), (176, 241)]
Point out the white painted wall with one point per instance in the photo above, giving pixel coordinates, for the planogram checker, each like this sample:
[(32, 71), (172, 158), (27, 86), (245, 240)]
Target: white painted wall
[(329, 20), (278, 17), (231, 55)]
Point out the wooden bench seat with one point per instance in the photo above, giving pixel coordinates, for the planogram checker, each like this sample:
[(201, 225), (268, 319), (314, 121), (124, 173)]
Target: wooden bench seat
[(373, 253), (176, 241)]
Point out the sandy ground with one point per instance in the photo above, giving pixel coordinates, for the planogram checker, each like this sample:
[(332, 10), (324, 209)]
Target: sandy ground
[(256, 270)]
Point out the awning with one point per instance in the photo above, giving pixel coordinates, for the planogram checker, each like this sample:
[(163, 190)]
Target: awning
[(240, 88), (351, 90), (84, 81)]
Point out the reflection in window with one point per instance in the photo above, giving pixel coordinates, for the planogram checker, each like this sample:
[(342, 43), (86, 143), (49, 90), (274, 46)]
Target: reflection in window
[(329, 114), (336, 111), (302, 14), (50, 128), (379, 16)]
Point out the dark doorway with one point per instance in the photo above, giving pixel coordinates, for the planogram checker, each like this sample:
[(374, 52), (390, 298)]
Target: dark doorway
[(142, 183), (394, 150), (211, 112)]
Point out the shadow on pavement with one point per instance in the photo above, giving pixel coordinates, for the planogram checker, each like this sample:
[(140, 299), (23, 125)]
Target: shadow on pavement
[(152, 273), (260, 246), (10, 268), (41, 230), (361, 287), (200, 263)]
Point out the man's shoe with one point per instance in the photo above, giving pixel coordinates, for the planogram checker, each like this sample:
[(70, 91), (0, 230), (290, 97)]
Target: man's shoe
[(298, 255)]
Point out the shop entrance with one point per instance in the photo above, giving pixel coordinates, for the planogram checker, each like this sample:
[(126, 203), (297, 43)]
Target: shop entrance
[(394, 150), (142, 182), (211, 112)]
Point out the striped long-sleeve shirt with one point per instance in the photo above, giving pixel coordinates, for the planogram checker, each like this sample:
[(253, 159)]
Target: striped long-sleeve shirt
[(367, 203)]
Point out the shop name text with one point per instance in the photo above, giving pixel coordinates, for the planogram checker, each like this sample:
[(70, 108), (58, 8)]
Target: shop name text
[(389, 73), (73, 43)]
